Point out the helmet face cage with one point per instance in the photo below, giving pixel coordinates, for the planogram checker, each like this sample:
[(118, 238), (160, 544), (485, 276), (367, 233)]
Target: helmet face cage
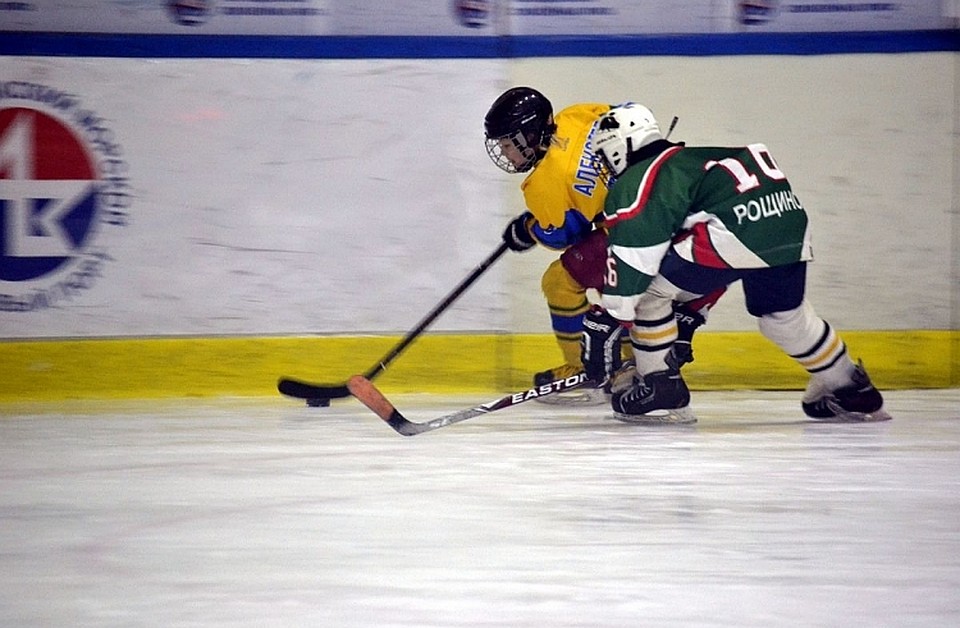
[(518, 128), (501, 149)]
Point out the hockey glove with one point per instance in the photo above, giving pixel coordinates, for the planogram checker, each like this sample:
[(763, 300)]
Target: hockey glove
[(688, 320), (600, 345), (517, 234)]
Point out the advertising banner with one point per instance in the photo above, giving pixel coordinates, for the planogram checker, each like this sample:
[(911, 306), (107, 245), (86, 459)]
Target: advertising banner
[(468, 18), (819, 16), (211, 17)]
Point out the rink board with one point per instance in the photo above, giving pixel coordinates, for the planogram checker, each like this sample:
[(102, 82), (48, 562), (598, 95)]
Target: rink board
[(250, 366)]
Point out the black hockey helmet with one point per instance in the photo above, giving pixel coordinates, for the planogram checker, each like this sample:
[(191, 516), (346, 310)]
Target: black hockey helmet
[(520, 122)]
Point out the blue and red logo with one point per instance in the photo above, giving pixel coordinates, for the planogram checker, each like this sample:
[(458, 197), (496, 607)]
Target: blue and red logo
[(62, 183), (756, 12), (190, 12), (472, 13)]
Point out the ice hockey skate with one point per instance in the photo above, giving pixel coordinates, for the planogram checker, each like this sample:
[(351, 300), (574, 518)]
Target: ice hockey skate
[(583, 396), (624, 379), (657, 398), (859, 402)]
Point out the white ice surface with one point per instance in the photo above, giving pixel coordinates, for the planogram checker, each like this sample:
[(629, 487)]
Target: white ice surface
[(265, 513)]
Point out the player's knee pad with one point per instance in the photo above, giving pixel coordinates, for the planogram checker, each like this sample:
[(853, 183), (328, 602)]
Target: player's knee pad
[(793, 330), (560, 288), (652, 305), (663, 288), (567, 301)]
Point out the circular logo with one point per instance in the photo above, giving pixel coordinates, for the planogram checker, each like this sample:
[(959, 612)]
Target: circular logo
[(472, 13), (756, 12), (62, 182), (189, 12)]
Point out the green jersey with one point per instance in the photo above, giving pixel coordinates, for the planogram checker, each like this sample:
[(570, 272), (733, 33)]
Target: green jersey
[(718, 207)]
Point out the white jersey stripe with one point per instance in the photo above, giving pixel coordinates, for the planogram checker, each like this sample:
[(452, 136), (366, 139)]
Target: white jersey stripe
[(734, 252), (644, 259)]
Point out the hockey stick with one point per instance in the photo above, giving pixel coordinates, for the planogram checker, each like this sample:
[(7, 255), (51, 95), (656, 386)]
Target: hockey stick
[(367, 393), (317, 394)]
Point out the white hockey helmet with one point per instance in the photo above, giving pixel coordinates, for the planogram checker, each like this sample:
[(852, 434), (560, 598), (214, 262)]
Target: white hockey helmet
[(621, 131)]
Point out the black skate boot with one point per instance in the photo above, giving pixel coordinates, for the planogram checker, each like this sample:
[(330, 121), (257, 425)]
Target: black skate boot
[(858, 402), (660, 397)]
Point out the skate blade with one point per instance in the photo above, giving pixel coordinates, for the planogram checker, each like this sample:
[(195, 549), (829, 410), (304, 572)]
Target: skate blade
[(673, 416), (844, 416), (582, 397)]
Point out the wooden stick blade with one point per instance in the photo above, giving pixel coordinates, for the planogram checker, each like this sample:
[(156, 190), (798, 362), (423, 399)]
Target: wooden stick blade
[(364, 390)]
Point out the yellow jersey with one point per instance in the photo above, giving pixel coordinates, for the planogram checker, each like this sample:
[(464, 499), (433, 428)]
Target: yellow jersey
[(565, 178)]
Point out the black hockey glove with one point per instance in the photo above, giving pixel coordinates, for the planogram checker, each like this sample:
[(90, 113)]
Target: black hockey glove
[(517, 234), (600, 345), (688, 320)]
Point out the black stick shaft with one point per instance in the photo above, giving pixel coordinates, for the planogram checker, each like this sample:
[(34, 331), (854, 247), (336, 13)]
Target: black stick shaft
[(370, 396), (307, 390), (427, 320)]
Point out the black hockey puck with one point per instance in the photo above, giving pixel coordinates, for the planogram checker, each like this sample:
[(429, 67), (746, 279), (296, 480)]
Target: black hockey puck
[(318, 403)]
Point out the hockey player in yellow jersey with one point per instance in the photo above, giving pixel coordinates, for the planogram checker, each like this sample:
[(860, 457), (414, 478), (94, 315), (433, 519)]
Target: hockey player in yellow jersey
[(563, 196)]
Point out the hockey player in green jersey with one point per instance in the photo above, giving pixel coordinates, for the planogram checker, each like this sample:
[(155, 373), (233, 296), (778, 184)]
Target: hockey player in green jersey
[(683, 221), (564, 199)]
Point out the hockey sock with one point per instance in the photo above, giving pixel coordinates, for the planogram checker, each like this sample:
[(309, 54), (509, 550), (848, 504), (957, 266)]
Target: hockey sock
[(653, 337), (814, 345)]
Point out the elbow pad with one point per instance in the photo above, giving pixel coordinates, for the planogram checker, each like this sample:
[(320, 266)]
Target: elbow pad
[(575, 227)]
